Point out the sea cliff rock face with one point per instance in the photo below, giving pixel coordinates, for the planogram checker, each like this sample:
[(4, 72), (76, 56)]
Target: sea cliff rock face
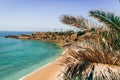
[(59, 37)]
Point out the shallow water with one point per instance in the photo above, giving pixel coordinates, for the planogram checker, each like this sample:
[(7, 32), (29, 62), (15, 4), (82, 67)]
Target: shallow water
[(20, 57)]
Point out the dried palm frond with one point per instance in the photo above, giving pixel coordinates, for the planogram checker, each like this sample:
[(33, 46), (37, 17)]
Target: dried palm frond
[(84, 64), (94, 55), (111, 38), (92, 71), (67, 59), (102, 38), (79, 22)]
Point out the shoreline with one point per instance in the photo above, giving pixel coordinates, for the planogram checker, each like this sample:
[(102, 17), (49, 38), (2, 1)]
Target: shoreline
[(35, 71), (40, 68)]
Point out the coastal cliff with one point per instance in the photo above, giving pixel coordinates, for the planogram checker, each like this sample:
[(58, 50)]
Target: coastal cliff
[(63, 38)]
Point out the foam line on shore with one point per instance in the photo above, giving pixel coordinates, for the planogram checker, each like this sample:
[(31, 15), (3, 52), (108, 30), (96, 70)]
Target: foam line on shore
[(39, 68)]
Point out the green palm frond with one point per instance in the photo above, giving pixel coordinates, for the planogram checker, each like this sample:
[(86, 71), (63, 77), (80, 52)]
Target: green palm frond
[(78, 22), (111, 20)]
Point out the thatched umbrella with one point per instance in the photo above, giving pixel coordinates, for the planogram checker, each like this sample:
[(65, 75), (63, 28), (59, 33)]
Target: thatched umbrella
[(91, 64)]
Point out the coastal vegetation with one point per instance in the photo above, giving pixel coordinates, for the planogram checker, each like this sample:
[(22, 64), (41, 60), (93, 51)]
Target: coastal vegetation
[(98, 58), (64, 38)]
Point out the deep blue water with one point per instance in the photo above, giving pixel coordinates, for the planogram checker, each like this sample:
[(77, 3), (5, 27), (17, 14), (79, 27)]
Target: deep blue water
[(20, 57), (5, 33)]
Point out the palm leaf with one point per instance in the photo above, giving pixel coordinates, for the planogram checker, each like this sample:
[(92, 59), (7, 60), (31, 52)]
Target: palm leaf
[(92, 64), (111, 20), (78, 22), (92, 71)]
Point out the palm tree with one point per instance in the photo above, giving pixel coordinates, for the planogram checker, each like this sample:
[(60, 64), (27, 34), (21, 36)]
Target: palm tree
[(112, 22), (109, 31), (78, 22), (109, 19), (100, 61)]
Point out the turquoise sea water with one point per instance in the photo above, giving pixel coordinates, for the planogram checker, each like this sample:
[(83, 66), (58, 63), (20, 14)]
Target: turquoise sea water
[(20, 57)]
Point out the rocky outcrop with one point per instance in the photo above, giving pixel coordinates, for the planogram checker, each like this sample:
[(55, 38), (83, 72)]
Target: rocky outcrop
[(63, 38)]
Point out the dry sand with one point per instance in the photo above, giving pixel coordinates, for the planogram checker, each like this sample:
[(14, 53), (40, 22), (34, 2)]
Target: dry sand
[(49, 72)]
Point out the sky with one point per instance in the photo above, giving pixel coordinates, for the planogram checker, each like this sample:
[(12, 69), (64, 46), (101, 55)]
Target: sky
[(37, 15)]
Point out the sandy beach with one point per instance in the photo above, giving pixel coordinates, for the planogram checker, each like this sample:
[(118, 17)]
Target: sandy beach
[(49, 72)]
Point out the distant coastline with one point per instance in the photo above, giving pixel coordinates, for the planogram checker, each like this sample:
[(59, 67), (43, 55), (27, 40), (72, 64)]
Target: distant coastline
[(17, 33), (64, 39)]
